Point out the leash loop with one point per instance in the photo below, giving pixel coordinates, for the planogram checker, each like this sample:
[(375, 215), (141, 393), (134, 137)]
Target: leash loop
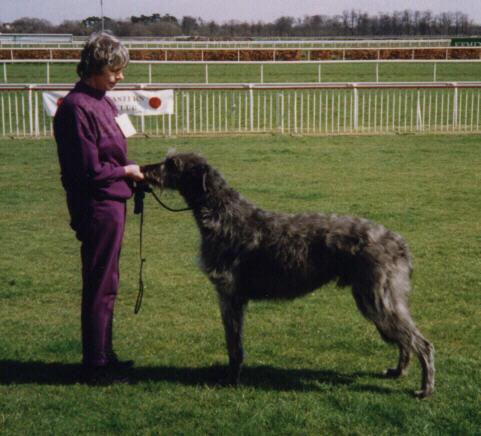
[(139, 209), (139, 196)]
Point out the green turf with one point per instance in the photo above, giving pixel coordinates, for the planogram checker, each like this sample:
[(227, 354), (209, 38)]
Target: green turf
[(312, 365), (244, 73)]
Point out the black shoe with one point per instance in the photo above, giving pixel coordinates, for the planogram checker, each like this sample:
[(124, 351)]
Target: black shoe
[(116, 363), (102, 376)]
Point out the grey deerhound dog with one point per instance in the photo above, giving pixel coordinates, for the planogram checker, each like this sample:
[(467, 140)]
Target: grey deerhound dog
[(251, 254)]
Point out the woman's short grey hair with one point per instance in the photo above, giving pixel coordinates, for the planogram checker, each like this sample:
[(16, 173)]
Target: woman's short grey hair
[(101, 50)]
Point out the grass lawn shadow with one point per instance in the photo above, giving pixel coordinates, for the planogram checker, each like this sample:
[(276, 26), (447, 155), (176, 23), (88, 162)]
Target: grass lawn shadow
[(26, 372), (266, 378), (262, 377)]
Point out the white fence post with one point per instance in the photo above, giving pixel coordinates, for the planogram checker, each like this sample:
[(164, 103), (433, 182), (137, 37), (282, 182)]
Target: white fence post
[(280, 112), (419, 118), (30, 108), (37, 123), (455, 105), (251, 107), (206, 73), (5, 79), (3, 116), (142, 117), (356, 107)]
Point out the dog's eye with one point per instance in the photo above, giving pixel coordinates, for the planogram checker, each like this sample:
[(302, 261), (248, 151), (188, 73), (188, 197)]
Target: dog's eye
[(170, 164)]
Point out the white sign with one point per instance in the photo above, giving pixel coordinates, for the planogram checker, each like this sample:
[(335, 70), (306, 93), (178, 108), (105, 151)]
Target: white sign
[(125, 125), (127, 102)]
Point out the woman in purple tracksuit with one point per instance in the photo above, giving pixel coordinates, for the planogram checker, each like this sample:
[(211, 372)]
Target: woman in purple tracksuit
[(97, 178)]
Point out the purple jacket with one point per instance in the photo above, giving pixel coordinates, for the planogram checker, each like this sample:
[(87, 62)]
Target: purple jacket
[(92, 150)]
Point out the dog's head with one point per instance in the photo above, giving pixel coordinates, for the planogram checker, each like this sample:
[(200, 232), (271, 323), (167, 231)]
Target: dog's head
[(185, 172)]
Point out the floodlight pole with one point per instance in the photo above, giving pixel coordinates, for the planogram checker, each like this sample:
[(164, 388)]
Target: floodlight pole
[(102, 13)]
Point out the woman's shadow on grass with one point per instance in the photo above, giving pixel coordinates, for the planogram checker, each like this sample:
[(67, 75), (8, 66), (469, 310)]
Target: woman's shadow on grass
[(261, 377)]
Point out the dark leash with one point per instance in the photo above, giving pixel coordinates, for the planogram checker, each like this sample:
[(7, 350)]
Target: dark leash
[(139, 197)]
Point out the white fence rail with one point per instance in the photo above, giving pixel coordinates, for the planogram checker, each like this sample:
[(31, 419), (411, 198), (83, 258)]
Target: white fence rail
[(5, 76), (313, 109), (153, 42)]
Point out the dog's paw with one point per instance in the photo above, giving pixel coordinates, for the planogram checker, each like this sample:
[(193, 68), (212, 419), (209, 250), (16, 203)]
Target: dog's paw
[(423, 393), (393, 373)]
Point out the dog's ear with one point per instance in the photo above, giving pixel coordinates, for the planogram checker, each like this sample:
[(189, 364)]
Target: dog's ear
[(202, 172), (204, 182), (174, 163)]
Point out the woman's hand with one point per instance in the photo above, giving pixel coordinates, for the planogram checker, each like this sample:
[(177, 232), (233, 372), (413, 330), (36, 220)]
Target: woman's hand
[(133, 172)]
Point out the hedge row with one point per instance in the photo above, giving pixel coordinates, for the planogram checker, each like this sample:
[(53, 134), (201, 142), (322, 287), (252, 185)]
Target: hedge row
[(259, 55)]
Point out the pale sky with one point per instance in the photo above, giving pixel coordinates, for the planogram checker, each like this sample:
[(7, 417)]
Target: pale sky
[(222, 10)]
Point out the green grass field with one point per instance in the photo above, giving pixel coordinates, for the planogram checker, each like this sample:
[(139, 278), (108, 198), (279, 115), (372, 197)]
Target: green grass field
[(139, 73), (312, 365)]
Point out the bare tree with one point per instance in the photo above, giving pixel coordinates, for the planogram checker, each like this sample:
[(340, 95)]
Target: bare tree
[(349, 23)]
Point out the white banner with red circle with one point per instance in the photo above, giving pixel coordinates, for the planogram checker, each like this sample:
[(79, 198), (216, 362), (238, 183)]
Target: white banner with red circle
[(128, 102)]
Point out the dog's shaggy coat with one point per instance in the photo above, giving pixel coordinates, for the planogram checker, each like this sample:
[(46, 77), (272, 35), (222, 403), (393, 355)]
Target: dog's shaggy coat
[(251, 254)]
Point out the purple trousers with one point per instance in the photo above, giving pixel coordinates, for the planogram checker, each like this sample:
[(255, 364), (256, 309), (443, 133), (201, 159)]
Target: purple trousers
[(101, 238)]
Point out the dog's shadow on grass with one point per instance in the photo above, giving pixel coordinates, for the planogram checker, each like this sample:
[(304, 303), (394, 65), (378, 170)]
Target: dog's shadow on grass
[(263, 377), (260, 377)]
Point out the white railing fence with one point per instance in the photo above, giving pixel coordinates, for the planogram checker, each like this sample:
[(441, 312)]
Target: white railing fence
[(6, 41), (44, 68), (315, 109)]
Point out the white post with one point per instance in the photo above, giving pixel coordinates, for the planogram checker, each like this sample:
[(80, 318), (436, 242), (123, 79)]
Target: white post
[(377, 72), (319, 72), (455, 105), (3, 115), (37, 125), (206, 73), (279, 112), (356, 107), (30, 108), (419, 120), (251, 107), (434, 72), (5, 72), (262, 73), (48, 72), (150, 73), (188, 112)]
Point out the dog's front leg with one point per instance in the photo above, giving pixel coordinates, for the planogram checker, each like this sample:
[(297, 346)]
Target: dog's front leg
[(232, 311)]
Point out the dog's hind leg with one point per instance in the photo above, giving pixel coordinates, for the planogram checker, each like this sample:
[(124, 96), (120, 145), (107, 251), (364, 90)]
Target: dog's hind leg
[(232, 311), (425, 351), (370, 306), (390, 314), (403, 363), (398, 327)]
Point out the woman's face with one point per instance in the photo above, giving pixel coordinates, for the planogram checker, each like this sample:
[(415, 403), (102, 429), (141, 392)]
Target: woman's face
[(107, 79)]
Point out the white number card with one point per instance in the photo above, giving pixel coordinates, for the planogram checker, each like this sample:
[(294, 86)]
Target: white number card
[(125, 125)]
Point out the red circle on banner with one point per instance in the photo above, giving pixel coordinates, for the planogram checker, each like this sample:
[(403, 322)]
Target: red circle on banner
[(59, 101), (155, 102)]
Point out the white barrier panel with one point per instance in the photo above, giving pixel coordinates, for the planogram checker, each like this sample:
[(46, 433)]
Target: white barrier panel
[(128, 102)]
